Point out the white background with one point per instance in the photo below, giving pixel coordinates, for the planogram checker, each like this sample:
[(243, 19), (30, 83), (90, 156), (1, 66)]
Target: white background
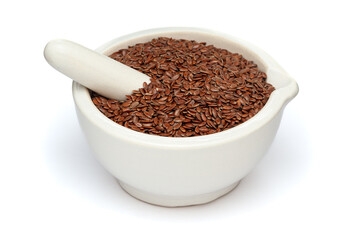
[(307, 186)]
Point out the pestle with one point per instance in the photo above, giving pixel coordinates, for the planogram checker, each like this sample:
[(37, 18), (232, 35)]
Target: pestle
[(94, 70)]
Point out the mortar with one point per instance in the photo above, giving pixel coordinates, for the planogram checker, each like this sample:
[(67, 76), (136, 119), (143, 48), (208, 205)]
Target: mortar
[(185, 171)]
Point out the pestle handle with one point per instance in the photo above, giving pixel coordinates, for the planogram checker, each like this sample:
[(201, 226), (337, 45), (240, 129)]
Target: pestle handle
[(95, 71)]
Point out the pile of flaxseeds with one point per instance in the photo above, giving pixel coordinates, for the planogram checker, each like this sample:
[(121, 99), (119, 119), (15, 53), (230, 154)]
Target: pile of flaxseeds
[(196, 89)]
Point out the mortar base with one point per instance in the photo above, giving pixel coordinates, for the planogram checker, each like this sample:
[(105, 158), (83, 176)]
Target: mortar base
[(180, 201)]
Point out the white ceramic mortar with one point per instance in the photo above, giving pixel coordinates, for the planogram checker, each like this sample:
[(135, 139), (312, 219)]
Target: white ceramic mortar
[(185, 171)]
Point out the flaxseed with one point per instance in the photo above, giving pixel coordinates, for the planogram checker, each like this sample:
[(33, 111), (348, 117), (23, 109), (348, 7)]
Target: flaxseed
[(196, 89)]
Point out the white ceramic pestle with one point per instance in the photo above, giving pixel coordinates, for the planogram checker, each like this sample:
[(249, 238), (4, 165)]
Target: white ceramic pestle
[(94, 70)]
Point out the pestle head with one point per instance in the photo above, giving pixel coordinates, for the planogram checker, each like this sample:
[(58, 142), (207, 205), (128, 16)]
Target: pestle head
[(94, 70)]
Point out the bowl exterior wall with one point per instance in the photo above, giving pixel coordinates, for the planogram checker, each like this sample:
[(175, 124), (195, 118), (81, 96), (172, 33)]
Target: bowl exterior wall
[(178, 172)]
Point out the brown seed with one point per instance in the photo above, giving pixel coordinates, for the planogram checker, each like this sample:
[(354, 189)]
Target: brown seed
[(227, 107), (197, 130), (203, 117), (182, 129), (134, 104), (147, 125), (95, 101), (198, 116), (136, 122), (175, 77), (203, 129), (177, 125), (177, 112)]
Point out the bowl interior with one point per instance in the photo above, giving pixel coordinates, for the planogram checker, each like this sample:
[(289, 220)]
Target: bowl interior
[(276, 76)]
